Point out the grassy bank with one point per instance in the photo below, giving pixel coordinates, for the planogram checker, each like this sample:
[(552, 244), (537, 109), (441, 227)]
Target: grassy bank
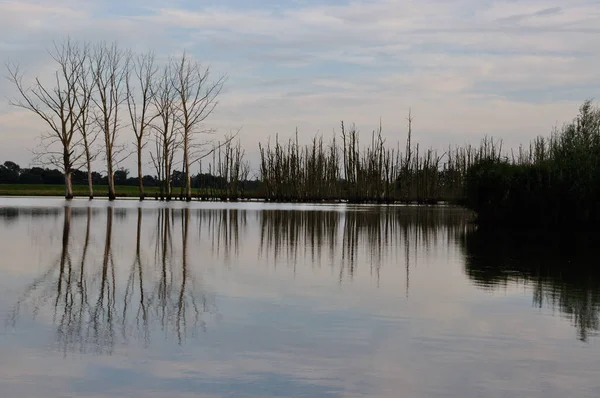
[(59, 190), (101, 191)]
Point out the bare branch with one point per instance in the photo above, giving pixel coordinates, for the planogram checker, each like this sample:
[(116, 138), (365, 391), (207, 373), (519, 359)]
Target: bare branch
[(109, 65), (197, 98), (56, 106)]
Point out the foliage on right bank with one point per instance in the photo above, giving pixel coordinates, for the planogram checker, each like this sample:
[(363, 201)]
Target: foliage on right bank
[(556, 181)]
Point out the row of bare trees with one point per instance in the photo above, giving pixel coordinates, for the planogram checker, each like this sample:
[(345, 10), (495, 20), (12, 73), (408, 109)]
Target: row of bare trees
[(101, 93)]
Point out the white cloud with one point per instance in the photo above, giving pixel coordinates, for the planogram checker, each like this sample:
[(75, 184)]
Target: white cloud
[(467, 68)]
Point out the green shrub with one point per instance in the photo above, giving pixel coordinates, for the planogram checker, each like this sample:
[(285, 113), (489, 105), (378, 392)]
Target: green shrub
[(557, 183)]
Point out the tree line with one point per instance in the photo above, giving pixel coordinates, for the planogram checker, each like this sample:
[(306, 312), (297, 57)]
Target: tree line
[(12, 173), (102, 95)]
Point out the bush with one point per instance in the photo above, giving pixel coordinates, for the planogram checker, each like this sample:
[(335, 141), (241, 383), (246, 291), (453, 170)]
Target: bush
[(559, 183)]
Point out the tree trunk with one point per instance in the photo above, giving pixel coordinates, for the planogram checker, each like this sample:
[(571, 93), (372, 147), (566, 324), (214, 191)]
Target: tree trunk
[(167, 169), (168, 188), (68, 186), (90, 182), (111, 178), (88, 160), (188, 180), (140, 176)]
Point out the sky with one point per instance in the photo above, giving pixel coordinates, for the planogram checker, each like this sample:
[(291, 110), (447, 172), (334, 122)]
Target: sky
[(466, 68)]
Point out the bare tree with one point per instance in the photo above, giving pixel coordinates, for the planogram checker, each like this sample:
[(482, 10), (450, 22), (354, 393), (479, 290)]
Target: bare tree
[(166, 141), (109, 70), (57, 106), (139, 104), (197, 97), (86, 126)]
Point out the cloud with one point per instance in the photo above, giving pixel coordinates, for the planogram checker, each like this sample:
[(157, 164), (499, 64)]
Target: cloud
[(465, 67)]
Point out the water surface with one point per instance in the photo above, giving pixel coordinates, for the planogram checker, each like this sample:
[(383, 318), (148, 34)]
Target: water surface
[(259, 300)]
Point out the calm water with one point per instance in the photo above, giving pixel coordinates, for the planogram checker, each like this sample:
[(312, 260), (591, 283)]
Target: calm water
[(254, 300)]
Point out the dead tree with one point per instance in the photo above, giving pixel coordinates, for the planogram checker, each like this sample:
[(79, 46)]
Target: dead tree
[(166, 133), (197, 98), (109, 70), (86, 125), (57, 106), (139, 104)]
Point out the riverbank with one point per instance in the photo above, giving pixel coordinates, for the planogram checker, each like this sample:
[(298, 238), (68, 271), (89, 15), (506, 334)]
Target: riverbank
[(153, 193), (78, 190)]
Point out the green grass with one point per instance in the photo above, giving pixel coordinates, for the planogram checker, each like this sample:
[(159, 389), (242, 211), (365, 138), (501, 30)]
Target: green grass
[(78, 190), (123, 191)]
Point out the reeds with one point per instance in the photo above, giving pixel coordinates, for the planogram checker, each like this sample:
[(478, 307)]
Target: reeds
[(371, 173)]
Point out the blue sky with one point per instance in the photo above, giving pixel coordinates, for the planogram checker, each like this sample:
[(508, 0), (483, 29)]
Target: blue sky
[(467, 68)]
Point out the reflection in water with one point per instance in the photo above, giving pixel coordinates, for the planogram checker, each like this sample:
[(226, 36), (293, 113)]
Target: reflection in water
[(99, 298), (94, 304), (370, 236), (563, 273), (361, 301), (223, 227)]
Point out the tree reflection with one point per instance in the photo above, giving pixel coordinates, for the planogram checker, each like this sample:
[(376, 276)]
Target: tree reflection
[(562, 271), (223, 227), (97, 302), (70, 328), (367, 236), (111, 281)]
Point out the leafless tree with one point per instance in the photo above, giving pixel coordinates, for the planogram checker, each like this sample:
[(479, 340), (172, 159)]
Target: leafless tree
[(165, 128), (197, 98), (86, 125), (57, 106), (109, 69), (139, 104)]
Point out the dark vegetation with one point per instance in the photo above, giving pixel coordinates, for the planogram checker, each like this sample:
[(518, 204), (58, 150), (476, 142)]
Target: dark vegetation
[(556, 181)]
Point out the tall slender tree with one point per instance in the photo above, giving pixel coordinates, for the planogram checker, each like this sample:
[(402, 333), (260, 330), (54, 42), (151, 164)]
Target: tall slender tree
[(166, 137), (109, 69), (197, 97), (86, 125), (140, 76)]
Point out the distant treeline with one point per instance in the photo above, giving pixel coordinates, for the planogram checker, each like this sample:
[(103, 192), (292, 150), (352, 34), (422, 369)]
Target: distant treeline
[(12, 173)]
